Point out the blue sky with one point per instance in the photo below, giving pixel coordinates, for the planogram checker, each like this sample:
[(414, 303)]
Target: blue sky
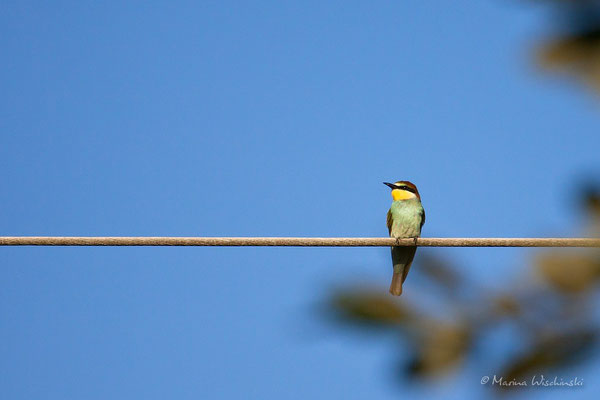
[(265, 119)]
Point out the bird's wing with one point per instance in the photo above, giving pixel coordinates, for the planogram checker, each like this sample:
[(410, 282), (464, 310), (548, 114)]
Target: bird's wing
[(422, 218), (389, 221)]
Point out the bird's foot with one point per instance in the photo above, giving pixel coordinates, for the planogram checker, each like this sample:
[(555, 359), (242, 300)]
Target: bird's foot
[(400, 239)]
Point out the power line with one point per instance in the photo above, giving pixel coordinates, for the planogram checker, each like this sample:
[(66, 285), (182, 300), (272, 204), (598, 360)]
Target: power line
[(293, 241)]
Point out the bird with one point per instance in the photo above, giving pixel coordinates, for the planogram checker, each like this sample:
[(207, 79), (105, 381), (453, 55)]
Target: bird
[(404, 220)]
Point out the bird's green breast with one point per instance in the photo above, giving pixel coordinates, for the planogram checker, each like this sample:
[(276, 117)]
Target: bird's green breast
[(407, 218)]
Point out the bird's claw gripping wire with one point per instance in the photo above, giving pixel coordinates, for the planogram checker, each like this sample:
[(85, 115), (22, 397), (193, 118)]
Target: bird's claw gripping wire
[(399, 240)]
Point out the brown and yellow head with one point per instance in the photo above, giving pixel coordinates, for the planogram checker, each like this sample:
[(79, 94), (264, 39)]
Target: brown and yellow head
[(403, 190)]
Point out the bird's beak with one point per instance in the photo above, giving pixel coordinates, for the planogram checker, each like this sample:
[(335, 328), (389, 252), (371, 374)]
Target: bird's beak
[(390, 185)]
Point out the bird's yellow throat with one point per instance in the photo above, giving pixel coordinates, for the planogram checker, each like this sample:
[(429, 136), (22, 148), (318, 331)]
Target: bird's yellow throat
[(399, 194)]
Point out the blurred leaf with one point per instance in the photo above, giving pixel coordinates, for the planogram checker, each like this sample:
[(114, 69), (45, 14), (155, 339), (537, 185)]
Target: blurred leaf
[(369, 307), (550, 353), (577, 49), (578, 54), (441, 348), (568, 272), (591, 200)]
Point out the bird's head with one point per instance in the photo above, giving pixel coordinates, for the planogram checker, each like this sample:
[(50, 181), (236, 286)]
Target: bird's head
[(403, 190)]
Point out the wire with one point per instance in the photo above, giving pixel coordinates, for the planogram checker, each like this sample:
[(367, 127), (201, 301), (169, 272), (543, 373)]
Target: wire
[(294, 241)]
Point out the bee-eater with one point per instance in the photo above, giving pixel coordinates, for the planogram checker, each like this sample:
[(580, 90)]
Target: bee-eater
[(404, 220)]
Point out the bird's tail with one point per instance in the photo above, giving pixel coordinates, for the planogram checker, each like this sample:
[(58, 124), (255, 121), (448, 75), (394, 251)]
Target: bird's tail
[(396, 286), (402, 258)]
